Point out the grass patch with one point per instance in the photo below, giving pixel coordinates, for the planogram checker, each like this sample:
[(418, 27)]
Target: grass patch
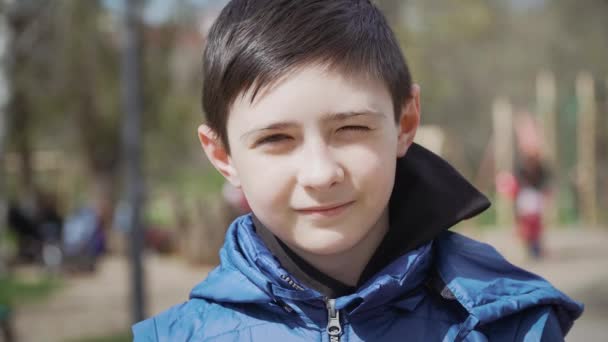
[(118, 337), (15, 291)]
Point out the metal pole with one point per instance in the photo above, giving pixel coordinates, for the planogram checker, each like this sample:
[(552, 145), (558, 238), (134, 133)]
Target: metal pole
[(131, 136)]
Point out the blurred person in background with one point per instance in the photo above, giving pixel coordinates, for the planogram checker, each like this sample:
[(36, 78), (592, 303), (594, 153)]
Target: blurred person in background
[(532, 185), (38, 228), (22, 223), (7, 331), (50, 223), (84, 238)]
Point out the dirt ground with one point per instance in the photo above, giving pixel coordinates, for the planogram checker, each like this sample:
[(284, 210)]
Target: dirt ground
[(98, 305)]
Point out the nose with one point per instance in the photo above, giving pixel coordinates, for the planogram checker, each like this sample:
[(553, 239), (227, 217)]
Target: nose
[(320, 169)]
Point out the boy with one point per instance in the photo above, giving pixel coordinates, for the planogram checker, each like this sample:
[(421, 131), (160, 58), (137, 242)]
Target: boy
[(311, 112)]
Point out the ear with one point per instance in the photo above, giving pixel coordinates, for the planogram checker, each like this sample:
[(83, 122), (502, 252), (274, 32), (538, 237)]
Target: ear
[(217, 154), (409, 122)]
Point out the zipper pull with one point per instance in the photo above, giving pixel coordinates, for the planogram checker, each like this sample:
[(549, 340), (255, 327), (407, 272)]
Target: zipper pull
[(334, 329)]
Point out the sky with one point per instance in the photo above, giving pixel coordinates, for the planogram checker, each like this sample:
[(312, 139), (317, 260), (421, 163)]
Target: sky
[(158, 11)]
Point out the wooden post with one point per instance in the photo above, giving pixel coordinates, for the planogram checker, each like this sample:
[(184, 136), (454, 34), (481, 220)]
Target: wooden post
[(502, 114), (586, 154), (603, 216), (546, 111)]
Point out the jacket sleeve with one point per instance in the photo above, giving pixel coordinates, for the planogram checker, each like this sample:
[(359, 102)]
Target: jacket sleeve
[(178, 323), (145, 331), (552, 330), (540, 325), (532, 325)]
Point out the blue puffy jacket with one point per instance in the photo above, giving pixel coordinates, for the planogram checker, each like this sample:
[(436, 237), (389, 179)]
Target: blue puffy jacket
[(443, 287), (250, 298)]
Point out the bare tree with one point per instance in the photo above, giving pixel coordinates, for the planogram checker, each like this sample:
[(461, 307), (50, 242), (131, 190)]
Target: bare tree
[(5, 38)]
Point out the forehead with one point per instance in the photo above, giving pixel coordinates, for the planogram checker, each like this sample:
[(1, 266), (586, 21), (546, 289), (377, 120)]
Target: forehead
[(308, 94)]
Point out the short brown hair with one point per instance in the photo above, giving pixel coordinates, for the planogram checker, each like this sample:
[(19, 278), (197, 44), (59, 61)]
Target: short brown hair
[(255, 42)]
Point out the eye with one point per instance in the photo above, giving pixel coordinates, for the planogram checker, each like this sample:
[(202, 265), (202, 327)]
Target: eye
[(272, 139), (354, 128)]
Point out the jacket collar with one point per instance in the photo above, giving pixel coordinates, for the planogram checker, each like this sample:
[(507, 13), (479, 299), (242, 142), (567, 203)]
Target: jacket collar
[(476, 275), (246, 261), (429, 197)]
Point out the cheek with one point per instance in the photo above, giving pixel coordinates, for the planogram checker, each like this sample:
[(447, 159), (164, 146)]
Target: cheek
[(379, 175), (266, 182), (373, 170)]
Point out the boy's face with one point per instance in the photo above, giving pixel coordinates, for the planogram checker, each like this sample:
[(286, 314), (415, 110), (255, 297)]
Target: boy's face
[(315, 156)]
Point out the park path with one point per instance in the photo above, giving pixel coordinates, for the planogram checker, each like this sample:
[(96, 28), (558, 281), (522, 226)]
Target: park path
[(98, 305)]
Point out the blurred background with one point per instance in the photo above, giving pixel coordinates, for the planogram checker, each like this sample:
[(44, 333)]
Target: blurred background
[(113, 213)]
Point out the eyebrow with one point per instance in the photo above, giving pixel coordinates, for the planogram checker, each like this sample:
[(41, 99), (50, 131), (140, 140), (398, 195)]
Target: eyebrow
[(348, 115), (327, 118)]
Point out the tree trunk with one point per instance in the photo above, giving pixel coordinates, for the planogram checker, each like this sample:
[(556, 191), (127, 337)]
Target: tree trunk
[(5, 38), (21, 134), (18, 20)]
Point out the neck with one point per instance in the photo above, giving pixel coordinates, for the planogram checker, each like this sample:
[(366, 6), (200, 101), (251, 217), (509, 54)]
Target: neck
[(348, 265)]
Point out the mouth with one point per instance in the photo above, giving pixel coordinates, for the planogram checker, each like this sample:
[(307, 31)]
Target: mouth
[(325, 210)]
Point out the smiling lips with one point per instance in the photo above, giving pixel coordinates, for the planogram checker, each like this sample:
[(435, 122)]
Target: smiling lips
[(325, 211)]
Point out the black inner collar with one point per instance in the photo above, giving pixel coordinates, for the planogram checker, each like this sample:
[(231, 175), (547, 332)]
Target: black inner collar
[(299, 268), (429, 197)]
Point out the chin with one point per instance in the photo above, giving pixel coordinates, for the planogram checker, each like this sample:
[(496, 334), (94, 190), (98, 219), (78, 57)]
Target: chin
[(325, 243)]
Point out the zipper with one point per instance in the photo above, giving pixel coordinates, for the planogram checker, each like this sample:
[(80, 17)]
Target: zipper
[(334, 329)]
